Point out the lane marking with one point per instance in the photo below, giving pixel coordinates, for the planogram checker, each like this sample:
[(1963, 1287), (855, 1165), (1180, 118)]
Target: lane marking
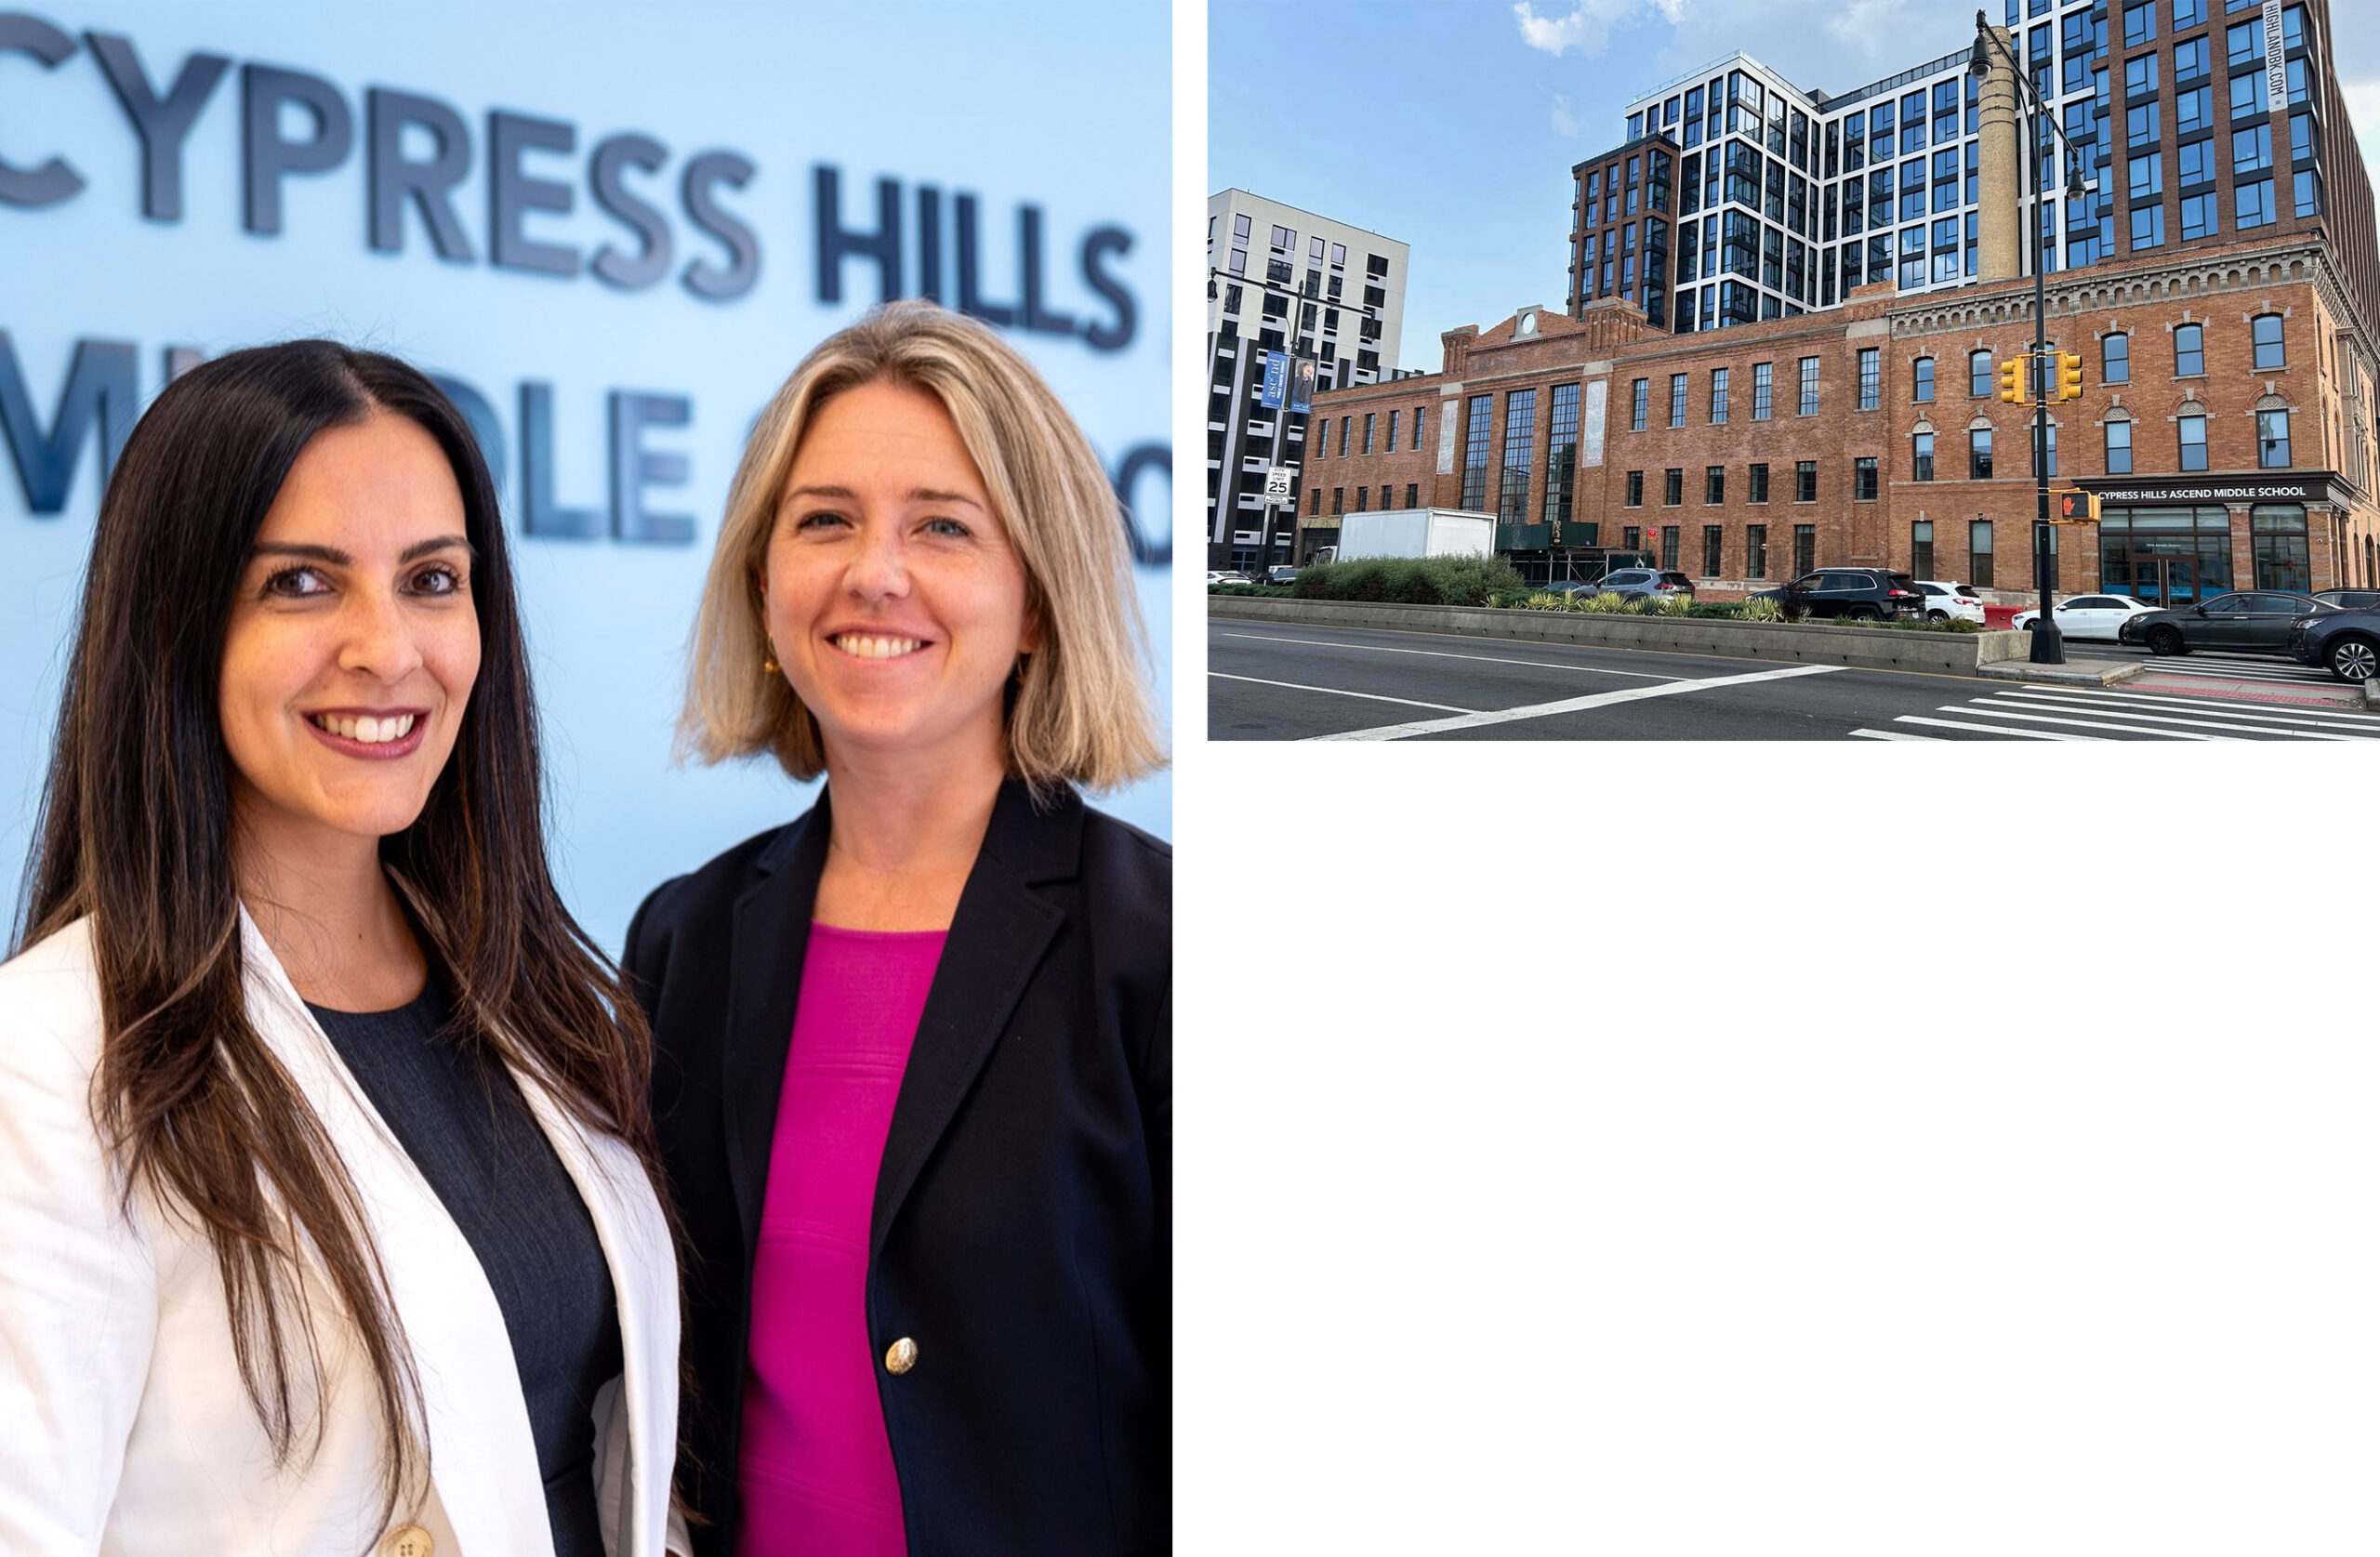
[(1571, 705), (1895, 735), (2359, 724), (1990, 712), (1443, 654), (2001, 730), (2142, 716), (1335, 691)]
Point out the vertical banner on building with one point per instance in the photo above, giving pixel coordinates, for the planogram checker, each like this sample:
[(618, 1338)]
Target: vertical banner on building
[(1449, 405), (2276, 61), (1276, 380), (1301, 374), (1591, 423)]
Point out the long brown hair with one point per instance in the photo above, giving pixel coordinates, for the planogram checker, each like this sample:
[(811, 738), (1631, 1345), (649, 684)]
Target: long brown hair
[(136, 835)]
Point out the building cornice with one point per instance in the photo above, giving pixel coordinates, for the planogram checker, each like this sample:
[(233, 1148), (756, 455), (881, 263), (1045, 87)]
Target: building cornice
[(2078, 293)]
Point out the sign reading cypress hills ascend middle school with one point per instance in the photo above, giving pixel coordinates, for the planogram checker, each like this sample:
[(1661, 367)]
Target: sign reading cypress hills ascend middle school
[(609, 231)]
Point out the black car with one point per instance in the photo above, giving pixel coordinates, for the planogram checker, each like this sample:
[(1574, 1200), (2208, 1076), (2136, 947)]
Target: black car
[(2244, 619), (1853, 594), (2350, 599), (2346, 643)]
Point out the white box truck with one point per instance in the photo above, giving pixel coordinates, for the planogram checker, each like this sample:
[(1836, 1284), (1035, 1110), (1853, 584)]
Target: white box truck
[(1416, 533)]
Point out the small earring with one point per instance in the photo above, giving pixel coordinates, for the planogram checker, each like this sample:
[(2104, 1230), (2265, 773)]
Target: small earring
[(770, 664)]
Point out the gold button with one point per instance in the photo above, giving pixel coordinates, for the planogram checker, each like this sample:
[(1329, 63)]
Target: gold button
[(900, 1357), (408, 1540)]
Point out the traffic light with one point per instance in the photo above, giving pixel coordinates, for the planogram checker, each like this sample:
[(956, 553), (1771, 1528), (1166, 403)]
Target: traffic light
[(2070, 375), (2011, 381), (2077, 508)]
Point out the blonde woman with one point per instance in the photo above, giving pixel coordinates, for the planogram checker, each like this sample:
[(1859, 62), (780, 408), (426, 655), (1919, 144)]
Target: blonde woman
[(913, 1082)]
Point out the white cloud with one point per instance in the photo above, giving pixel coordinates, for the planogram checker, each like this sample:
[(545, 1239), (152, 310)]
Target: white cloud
[(1565, 121), (1587, 34), (1587, 27)]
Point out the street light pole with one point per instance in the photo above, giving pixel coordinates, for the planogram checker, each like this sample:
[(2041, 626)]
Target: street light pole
[(2048, 646)]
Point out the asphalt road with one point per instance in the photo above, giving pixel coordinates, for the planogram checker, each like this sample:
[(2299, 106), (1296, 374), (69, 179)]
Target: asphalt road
[(1269, 681)]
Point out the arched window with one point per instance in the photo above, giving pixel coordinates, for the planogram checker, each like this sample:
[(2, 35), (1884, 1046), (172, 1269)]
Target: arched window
[(2270, 353), (2115, 359), (2189, 350), (1925, 378), (1979, 375)]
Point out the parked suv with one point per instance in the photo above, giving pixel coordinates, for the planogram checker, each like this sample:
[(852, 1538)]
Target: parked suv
[(1947, 600), (1637, 584), (1870, 594)]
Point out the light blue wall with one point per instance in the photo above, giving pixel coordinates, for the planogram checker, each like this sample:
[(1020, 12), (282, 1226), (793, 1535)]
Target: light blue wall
[(1065, 108)]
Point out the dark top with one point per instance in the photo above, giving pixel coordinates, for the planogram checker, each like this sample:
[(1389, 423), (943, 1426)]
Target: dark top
[(463, 1121), (1020, 1231)]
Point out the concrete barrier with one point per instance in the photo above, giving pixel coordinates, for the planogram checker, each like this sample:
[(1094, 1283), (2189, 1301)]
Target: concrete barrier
[(1804, 643)]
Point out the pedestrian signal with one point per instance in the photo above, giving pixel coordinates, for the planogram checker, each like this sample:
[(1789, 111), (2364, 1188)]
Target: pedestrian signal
[(2011, 381), (2077, 508), (2070, 375)]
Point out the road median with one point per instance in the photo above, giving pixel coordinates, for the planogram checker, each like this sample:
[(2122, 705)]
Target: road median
[(1804, 643)]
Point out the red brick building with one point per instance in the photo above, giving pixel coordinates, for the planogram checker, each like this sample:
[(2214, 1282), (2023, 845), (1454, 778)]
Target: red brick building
[(2226, 420)]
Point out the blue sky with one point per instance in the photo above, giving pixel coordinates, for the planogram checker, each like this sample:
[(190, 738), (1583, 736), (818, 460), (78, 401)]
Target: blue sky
[(1453, 125)]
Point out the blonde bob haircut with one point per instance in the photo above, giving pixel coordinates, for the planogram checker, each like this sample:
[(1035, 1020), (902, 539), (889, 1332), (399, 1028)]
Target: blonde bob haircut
[(1080, 711)]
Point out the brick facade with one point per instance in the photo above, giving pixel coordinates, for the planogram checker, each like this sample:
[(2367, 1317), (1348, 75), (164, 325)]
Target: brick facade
[(2326, 384)]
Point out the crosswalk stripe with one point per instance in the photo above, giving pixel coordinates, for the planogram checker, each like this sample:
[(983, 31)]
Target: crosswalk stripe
[(2003, 730), (2323, 718), (2257, 667), (2241, 672), (2087, 724), (2144, 717), (2218, 678), (1894, 736)]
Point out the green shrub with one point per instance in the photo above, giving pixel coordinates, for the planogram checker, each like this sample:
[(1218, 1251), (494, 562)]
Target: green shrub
[(1608, 603), (1542, 600), (1415, 581), (1676, 605), (1761, 611)]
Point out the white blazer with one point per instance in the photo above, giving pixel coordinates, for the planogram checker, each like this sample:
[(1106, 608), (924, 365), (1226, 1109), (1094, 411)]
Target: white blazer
[(124, 1425)]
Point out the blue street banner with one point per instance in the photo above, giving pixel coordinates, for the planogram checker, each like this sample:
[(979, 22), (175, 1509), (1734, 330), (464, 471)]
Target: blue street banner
[(1302, 384), (1276, 378)]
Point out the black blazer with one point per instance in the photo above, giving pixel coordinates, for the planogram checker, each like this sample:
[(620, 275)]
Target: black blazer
[(1022, 1234)]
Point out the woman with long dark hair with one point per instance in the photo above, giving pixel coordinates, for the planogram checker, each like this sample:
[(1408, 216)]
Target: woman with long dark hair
[(327, 1221), (914, 1049)]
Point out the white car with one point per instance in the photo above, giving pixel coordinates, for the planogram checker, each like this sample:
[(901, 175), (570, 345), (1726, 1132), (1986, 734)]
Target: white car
[(2089, 615), (1215, 576), (1948, 600)]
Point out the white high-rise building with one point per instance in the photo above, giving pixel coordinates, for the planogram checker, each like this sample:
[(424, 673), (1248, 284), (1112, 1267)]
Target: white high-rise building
[(1284, 279)]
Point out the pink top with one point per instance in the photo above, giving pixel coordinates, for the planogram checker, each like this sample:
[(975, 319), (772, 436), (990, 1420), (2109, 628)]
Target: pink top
[(814, 1471)]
